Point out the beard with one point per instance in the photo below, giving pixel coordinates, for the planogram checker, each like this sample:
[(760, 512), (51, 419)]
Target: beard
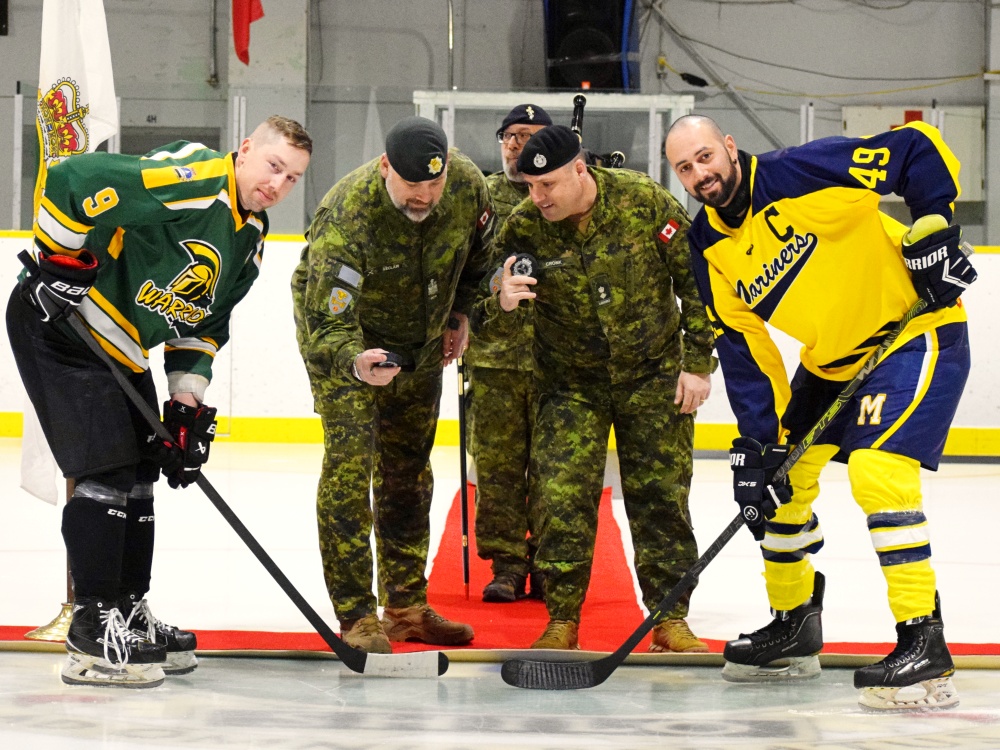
[(416, 215), (511, 173), (725, 193)]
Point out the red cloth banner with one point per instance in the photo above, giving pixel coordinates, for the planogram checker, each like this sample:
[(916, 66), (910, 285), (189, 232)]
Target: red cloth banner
[(245, 12)]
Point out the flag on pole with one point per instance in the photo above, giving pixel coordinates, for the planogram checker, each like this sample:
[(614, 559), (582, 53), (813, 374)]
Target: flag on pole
[(245, 12), (76, 112)]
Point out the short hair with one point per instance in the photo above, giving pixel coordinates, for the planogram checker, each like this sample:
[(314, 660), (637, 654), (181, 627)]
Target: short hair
[(289, 129), (711, 124)]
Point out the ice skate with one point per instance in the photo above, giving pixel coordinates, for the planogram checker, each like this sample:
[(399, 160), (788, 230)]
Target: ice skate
[(786, 649), (180, 644), (916, 676), (105, 653)]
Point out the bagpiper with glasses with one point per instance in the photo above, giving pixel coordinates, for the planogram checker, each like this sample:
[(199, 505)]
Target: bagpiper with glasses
[(503, 402)]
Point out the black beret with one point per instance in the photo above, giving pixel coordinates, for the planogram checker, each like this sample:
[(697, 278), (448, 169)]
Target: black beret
[(525, 114), (548, 149), (417, 149)]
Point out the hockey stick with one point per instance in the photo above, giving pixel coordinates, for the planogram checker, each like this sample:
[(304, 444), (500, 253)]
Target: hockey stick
[(464, 474), (421, 664), (543, 675)]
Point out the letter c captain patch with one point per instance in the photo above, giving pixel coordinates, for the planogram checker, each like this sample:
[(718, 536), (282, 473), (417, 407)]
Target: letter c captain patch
[(339, 300), (667, 233)]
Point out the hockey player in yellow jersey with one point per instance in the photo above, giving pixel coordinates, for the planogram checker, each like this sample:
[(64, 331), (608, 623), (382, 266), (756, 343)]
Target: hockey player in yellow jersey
[(794, 239)]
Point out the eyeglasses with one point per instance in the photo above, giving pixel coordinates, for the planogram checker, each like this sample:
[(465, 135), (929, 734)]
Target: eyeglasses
[(519, 138)]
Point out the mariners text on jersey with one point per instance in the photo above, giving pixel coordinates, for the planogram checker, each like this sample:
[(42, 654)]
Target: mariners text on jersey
[(814, 257)]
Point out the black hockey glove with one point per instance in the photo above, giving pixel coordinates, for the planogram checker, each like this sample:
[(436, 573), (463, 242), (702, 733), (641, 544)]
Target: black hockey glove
[(193, 428), (940, 269), (56, 284), (754, 467)]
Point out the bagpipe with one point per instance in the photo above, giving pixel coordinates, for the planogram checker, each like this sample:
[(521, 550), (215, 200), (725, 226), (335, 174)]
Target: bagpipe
[(612, 160)]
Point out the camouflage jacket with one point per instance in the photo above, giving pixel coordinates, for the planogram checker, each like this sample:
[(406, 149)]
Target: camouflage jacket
[(509, 350), (607, 300), (369, 277)]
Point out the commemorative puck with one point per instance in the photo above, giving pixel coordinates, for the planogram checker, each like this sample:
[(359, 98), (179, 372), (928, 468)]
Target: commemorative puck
[(524, 265), (391, 360)]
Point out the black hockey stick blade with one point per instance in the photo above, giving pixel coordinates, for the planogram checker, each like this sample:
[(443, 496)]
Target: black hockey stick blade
[(419, 664), (542, 675), (546, 675)]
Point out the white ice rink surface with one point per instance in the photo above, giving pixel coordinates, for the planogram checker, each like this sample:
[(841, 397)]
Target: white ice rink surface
[(205, 578)]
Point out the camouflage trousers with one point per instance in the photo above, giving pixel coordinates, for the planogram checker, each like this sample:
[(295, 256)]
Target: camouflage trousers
[(379, 438), (569, 452), (502, 408)]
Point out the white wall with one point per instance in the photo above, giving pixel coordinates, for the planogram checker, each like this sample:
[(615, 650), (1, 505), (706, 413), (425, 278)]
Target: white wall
[(260, 373)]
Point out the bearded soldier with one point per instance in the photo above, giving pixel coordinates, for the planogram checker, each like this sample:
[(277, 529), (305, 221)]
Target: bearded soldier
[(503, 402), (396, 251)]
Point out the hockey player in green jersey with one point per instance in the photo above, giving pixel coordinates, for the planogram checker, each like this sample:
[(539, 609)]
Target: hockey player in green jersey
[(147, 250)]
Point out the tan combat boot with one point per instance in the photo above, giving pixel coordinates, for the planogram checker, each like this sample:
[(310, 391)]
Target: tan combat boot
[(675, 635), (365, 634), (421, 623), (560, 634)]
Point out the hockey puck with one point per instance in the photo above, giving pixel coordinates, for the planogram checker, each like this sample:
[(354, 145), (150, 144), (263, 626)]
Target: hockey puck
[(391, 360), (524, 265)]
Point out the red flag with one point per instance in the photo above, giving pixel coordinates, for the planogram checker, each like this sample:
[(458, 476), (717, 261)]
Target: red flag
[(245, 12)]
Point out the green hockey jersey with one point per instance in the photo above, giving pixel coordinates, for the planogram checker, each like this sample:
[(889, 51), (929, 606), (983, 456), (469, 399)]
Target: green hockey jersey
[(175, 254)]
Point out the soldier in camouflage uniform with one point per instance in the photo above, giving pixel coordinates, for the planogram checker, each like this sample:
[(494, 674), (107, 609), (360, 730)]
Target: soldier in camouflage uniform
[(611, 348), (503, 403), (396, 251)]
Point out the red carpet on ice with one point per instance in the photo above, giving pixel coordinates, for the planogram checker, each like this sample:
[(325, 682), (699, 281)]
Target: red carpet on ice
[(610, 613)]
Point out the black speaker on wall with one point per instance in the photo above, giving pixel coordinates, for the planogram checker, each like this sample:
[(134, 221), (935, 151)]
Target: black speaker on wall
[(591, 44)]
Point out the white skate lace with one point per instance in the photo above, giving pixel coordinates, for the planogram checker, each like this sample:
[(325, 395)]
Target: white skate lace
[(153, 626), (117, 636)]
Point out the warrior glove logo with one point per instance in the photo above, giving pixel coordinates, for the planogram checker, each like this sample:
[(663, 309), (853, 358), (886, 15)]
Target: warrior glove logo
[(931, 259)]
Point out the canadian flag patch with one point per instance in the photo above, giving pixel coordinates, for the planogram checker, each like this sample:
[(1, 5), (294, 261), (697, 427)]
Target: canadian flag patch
[(667, 233), (484, 219)]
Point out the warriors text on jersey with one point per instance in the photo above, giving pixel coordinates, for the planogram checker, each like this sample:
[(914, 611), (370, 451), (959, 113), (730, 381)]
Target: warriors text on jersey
[(815, 258), (175, 254)]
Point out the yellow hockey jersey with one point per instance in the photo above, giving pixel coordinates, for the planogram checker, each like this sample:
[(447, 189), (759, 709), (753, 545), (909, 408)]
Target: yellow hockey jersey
[(815, 258)]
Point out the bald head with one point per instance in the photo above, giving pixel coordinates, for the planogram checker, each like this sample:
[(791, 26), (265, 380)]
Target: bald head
[(704, 159)]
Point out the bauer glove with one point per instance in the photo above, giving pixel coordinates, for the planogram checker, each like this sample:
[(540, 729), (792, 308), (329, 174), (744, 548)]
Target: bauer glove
[(754, 488), (934, 253), (193, 428), (56, 284)]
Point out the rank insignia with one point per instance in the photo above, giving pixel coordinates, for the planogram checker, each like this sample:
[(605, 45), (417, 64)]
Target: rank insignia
[(339, 300)]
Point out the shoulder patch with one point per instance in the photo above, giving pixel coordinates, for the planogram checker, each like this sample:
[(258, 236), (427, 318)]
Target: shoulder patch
[(485, 217), (339, 300), (348, 275), (667, 233), (496, 280)]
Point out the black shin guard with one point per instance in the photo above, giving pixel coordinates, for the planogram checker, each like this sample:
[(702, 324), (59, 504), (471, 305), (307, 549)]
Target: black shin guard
[(94, 533), (137, 556)]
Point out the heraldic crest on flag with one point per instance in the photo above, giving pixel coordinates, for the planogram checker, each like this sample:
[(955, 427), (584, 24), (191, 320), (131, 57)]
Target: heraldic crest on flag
[(63, 121)]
